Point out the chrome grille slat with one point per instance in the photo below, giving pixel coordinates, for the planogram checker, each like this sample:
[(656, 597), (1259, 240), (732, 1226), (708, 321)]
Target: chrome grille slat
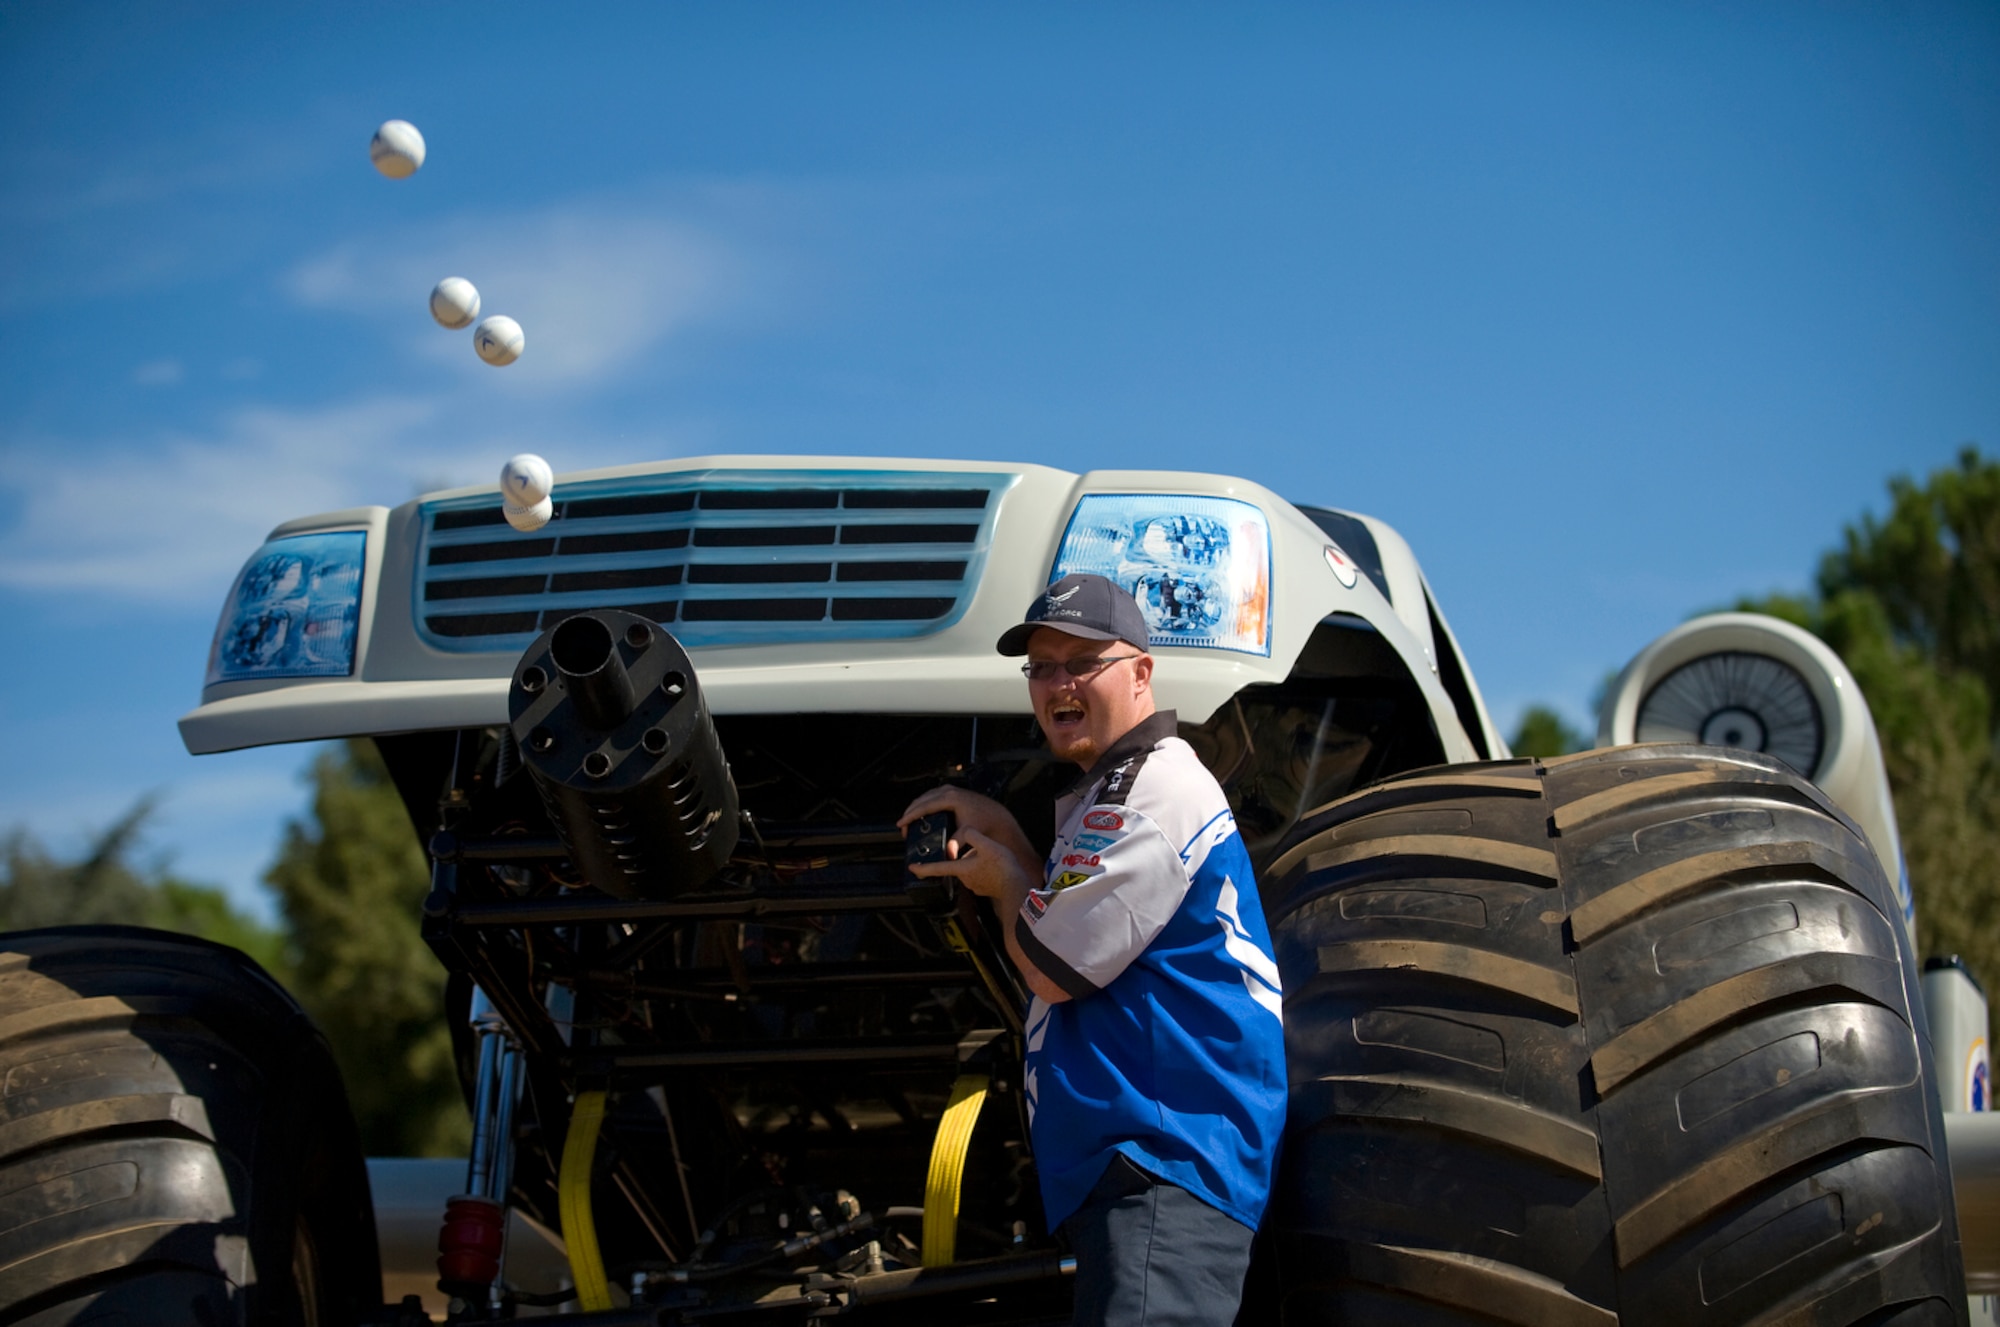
[(863, 522), (725, 557)]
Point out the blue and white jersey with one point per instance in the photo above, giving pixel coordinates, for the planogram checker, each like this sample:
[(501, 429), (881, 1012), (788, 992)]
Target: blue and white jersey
[(1171, 1047)]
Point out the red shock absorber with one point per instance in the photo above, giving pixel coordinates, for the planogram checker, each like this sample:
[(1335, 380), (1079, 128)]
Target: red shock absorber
[(469, 1244)]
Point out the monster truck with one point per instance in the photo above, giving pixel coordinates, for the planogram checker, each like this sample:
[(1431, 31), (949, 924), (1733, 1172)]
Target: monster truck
[(1628, 1035)]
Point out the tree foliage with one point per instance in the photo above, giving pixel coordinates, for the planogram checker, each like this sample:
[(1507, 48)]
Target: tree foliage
[(103, 886), (1542, 733), (349, 879), (1911, 603), (350, 883), (1933, 566)]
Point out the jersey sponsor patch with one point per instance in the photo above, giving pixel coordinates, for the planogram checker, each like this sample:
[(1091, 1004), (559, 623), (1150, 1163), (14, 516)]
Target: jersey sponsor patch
[(1068, 878), (1081, 859), (1093, 842), (1036, 905), (1104, 820)]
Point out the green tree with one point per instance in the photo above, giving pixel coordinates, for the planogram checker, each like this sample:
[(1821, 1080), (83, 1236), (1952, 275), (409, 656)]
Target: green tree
[(103, 886), (1933, 565), (1542, 732), (1911, 603), (350, 881)]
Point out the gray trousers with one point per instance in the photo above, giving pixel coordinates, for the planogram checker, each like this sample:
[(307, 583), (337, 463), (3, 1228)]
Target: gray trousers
[(1151, 1252)]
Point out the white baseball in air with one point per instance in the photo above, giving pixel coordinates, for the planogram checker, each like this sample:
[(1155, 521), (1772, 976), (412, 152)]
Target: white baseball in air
[(498, 340), (529, 519), (454, 302), (397, 149), (526, 480)]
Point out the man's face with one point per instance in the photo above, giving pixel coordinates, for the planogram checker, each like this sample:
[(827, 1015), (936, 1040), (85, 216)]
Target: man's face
[(1083, 716)]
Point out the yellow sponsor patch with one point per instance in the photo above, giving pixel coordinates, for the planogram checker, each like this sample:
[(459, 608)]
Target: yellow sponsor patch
[(1068, 878)]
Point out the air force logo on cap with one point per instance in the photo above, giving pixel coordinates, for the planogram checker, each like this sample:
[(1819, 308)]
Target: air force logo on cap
[(1052, 605), (1082, 605)]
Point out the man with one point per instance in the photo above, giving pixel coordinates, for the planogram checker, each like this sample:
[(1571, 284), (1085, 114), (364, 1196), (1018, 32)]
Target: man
[(1155, 1070)]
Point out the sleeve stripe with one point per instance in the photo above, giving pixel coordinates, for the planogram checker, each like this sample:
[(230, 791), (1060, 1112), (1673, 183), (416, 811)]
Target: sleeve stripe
[(1125, 773), (1074, 984), (1195, 837)]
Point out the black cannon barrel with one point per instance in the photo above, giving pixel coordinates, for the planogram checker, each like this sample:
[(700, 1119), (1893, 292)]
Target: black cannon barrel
[(585, 654), (613, 729)]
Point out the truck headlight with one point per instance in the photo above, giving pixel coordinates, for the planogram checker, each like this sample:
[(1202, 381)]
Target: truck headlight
[(1200, 567), (295, 610)]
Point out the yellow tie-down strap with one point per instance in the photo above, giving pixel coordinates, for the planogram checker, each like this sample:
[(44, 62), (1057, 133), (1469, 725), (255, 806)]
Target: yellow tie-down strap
[(954, 1136), (579, 1229)]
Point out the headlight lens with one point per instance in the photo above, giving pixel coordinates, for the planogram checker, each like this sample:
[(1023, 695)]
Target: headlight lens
[(295, 610), (1200, 567)]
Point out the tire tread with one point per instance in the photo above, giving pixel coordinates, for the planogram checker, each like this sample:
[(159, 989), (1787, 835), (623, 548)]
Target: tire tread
[(1704, 923), (180, 1064)]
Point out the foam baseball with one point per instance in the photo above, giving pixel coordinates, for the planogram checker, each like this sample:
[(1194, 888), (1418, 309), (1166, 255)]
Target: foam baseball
[(528, 519), (454, 302), (498, 340), (525, 480), (397, 149)]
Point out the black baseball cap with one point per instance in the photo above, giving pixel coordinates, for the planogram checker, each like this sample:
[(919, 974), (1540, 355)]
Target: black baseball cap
[(1082, 605)]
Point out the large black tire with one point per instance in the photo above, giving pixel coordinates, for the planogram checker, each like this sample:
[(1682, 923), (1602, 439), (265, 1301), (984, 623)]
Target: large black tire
[(175, 1144), (1622, 1037)]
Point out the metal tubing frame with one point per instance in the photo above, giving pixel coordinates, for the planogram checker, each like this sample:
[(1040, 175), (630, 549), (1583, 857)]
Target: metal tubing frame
[(510, 1097), (496, 1089), (485, 1088), (749, 907), (632, 1066)]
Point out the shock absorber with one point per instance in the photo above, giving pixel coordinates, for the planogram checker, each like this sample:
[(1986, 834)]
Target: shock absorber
[(472, 1244)]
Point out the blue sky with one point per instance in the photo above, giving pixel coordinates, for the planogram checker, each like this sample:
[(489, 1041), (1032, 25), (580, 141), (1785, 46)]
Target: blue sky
[(1617, 312)]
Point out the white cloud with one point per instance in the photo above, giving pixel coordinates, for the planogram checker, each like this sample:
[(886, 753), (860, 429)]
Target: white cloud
[(158, 373), (55, 186), (125, 213), (596, 286), (171, 522), (167, 519)]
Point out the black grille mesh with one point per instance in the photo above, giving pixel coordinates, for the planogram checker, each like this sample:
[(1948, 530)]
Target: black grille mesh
[(720, 562)]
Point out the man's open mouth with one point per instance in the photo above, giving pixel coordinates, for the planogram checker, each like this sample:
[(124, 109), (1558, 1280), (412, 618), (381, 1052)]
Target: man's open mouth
[(1065, 712)]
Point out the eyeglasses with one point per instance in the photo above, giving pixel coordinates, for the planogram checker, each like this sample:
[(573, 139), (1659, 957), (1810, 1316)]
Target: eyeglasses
[(1041, 670)]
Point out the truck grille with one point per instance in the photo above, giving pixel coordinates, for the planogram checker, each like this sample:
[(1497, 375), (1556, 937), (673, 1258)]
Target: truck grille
[(720, 558)]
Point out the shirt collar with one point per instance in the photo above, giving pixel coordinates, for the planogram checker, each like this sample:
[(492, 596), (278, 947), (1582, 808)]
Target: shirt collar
[(1144, 735)]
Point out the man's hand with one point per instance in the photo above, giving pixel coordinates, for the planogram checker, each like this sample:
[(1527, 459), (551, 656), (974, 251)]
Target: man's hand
[(990, 854), (975, 814), (982, 866)]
